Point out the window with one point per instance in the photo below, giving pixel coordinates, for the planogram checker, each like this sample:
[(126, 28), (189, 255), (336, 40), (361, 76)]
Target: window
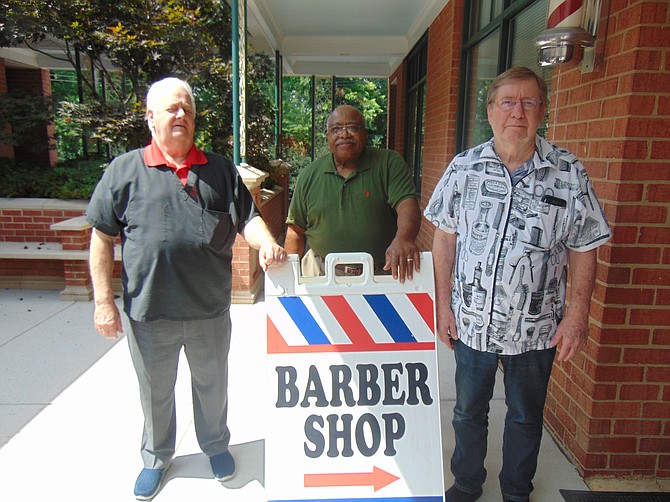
[(499, 34), (417, 63), (483, 68)]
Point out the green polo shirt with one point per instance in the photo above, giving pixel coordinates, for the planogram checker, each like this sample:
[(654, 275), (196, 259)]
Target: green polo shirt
[(356, 214)]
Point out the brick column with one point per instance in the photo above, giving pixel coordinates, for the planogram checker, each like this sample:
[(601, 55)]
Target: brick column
[(444, 65), (42, 147), (610, 407), (247, 273), (75, 236), (6, 151)]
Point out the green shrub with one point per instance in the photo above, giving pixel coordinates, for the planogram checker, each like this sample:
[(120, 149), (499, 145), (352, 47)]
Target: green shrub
[(74, 179)]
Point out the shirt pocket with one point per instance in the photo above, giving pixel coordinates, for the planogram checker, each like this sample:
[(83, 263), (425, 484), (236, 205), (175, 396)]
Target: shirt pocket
[(545, 228), (217, 230)]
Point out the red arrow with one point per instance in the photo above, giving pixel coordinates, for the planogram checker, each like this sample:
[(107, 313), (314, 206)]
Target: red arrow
[(377, 478)]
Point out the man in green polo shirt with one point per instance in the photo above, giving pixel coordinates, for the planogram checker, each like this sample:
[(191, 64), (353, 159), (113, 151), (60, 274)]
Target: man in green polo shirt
[(357, 199)]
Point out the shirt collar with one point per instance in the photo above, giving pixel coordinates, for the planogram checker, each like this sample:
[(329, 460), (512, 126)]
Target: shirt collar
[(542, 157), (361, 165), (153, 156)]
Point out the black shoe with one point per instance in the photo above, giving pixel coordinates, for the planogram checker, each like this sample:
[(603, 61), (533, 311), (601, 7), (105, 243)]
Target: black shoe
[(453, 494)]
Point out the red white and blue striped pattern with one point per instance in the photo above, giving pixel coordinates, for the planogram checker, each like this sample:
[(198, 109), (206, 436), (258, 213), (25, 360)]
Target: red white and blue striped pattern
[(351, 323)]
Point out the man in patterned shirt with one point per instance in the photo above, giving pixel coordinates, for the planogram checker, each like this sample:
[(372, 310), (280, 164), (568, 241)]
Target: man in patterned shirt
[(512, 215)]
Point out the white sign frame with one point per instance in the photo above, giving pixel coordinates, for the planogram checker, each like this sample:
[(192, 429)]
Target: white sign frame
[(353, 395)]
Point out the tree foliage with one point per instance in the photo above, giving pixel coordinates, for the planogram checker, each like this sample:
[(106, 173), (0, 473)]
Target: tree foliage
[(127, 44), (21, 115), (368, 95)]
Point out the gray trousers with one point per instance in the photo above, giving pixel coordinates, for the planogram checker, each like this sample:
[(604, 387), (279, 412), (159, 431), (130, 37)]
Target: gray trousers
[(155, 347)]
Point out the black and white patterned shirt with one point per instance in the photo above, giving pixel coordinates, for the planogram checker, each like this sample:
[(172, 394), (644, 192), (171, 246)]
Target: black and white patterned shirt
[(514, 232)]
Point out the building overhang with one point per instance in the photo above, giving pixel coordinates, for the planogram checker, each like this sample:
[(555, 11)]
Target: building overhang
[(349, 38), (49, 53)]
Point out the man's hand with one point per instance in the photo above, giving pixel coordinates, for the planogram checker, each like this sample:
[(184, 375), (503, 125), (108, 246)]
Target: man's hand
[(444, 253), (446, 325), (259, 237), (270, 254), (571, 334), (402, 258), (573, 330), (107, 319)]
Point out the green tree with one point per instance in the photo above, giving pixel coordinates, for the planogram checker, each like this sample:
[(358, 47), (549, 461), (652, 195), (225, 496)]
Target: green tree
[(297, 113), (368, 95), (21, 115), (68, 133), (128, 44)]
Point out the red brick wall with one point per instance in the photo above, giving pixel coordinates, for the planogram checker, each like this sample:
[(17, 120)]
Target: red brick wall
[(275, 209), (444, 48), (246, 268), (611, 406), (32, 268), (76, 240), (396, 110), (274, 215), (444, 45), (32, 225), (245, 265)]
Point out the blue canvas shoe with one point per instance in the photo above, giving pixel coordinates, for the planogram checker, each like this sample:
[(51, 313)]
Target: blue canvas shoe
[(223, 466), (148, 483)]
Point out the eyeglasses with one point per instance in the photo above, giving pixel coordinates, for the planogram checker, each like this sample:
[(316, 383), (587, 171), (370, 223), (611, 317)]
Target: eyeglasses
[(350, 128), (508, 104)]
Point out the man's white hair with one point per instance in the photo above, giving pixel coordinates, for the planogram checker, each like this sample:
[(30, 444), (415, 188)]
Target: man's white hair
[(160, 87)]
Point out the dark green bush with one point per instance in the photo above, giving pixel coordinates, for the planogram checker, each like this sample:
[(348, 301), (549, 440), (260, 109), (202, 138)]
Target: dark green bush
[(73, 179)]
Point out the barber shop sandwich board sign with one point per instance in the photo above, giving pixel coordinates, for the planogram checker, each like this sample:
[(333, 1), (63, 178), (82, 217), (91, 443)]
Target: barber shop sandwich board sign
[(353, 404)]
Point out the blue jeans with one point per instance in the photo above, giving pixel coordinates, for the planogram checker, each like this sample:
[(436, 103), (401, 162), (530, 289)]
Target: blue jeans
[(526, 377)]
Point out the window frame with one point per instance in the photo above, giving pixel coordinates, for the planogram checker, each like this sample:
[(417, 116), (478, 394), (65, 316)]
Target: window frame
[(472, 37), (417, 72)]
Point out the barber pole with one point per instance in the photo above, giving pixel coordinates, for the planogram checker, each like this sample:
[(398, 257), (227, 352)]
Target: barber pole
[(571, 28), (565, 13)]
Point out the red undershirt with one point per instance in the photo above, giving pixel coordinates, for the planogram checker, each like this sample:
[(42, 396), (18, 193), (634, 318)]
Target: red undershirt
[(154, 158)]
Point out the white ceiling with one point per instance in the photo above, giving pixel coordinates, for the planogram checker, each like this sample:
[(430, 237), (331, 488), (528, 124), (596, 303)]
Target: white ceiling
[(339, 37)]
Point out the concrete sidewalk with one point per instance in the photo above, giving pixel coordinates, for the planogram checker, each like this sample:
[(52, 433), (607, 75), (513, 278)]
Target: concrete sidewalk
[(70, 421)]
